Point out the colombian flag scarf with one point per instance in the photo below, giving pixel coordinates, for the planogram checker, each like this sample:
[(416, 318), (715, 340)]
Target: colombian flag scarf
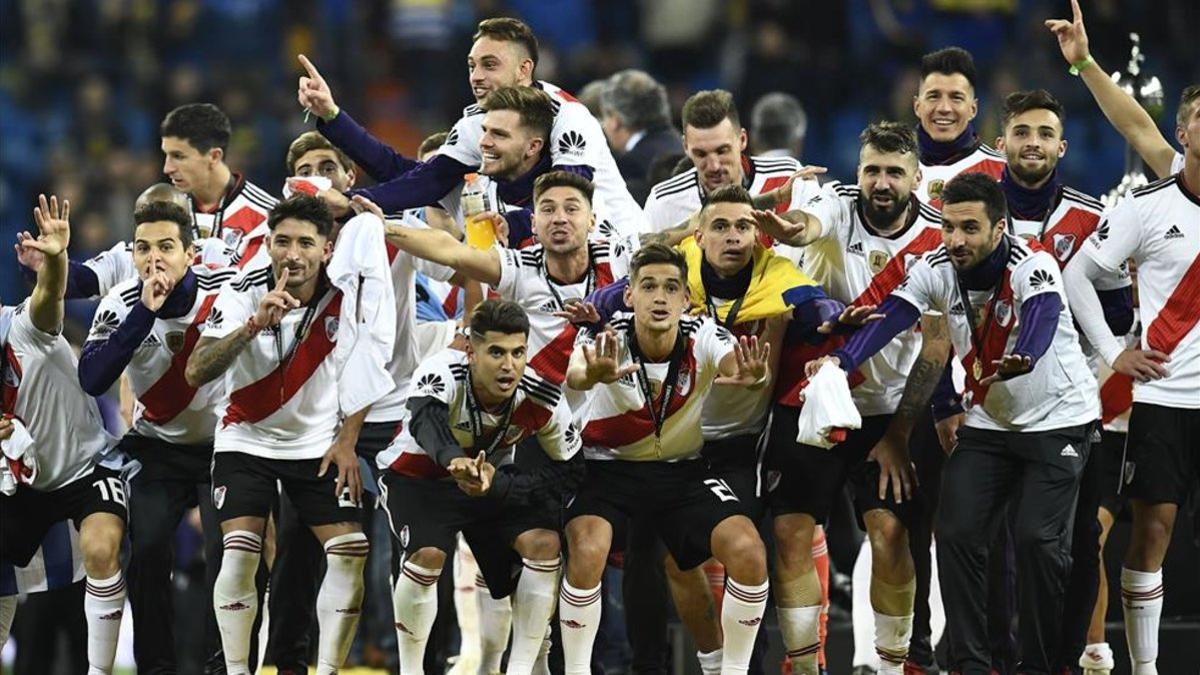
[(776, 286)]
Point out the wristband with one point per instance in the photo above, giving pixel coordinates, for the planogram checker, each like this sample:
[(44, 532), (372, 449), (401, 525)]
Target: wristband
[(331, 117), (1079, 67), (253, 326)]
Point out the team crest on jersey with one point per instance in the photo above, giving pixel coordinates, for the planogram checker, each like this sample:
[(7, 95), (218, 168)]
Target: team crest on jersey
[(878, 260), (231, 237), (1063, 245), (403, 537), (935, 188), (1004, 313), (174, 341), (1127, 472), (683, 383), (331, 326), (219, 496)]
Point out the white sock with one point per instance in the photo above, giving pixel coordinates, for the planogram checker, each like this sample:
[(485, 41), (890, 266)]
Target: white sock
[(103, 605), (495, 621), (533, 605), (861, 616), (1097, 655), (892, 634), (542, 665), (339, 602), (579, 618), (467, 613), (710, 663), (235, 600), (1142, 597), (8, 609), (741, 616), (799, 626), (415, 605)]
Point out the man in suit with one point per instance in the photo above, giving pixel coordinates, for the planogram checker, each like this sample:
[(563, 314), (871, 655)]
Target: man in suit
[(637, 121)]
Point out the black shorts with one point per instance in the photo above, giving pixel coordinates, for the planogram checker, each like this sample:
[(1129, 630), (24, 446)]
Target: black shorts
[(245, 485), (738, 462), (1162, 453), (1110, 453), (27, 515), (428, 513), (684, 501), (808, 479)]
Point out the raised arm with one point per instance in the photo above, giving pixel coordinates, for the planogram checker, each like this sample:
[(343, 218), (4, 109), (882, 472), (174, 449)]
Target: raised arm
[(442, 248), (46, 304), (794, 228), (1124, 113)]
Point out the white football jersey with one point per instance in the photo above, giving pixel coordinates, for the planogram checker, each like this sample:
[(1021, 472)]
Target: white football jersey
[(280, 397), (1158, 226), (41, 388), (405, 355), (525, 281), (858, 267), (1177, 163), (539, 409), (115, 265), (674, 200), (934, 177), (576, 139), (239, 220), (619, 423), (1059, 392), (166, 406)]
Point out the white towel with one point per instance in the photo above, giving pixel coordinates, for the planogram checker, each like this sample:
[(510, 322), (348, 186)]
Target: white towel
[(366, 333), (827, 406), (19, 466), (306, 185)]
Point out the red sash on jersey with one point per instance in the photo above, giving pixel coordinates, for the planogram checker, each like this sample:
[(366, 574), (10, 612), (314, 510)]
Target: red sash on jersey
[(171, 394), (259, 400), (9, 396), (793, 358), (1116, 396), (995, 340), (1072, 229), (1179, 313), (632, 426), (551, 361)]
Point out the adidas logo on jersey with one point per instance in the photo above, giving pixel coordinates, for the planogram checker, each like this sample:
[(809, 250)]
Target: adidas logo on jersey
[(151, 341), (571, 142), (549, 307), (1040, 278), (958, 310), (105, 323), (1173, 233), (856, 248), (431, 385), (1069, 451), (452, 137), (463, 425)]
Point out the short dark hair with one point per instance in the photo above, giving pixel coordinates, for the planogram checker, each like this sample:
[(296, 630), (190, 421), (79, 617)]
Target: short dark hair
[(508, 29), (552, 179), (706, 109), (637, 100), (977, 187), (890, 137), (663, 167), (154, 212), (949, 61), (313, 140), (302, 207), (432, 142), (500, 316), (533, 106), (778, 121), (1190, 95), (1020, 102), (729, 194), (203, 125), (657, 253)]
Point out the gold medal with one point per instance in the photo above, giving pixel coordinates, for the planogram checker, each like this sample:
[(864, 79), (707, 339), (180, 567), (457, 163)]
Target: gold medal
[(977, 370)]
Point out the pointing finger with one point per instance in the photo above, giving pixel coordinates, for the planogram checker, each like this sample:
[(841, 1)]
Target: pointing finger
[(308, 65), (283, 279)]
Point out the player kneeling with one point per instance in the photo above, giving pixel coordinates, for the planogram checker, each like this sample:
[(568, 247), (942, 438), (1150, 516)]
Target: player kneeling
[(451, 469)]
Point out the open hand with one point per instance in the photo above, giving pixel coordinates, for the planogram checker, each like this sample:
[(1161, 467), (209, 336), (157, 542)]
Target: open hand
[(1072, 36), (54, 228), (579, 311), (1007, 366), (1142, 365), (774, 225), (348, 473), (852, 316), (751, 358), (603, 361)]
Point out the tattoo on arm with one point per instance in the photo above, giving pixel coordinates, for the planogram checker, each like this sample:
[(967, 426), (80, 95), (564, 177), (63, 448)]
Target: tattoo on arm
[(210, 360), (923, 379), (652, 238), (766, 200)]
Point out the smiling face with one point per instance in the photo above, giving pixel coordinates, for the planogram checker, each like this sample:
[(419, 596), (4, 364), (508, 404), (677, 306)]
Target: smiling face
[(658, 295), (716, 153), (297, 246), (562, 219), (158, 248), (492, 64), (497, 364), (944, 105), (325, 163), (187, 168), (887, 181), (727, 235), (1032, 143), (969, 235), (506, 145)]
